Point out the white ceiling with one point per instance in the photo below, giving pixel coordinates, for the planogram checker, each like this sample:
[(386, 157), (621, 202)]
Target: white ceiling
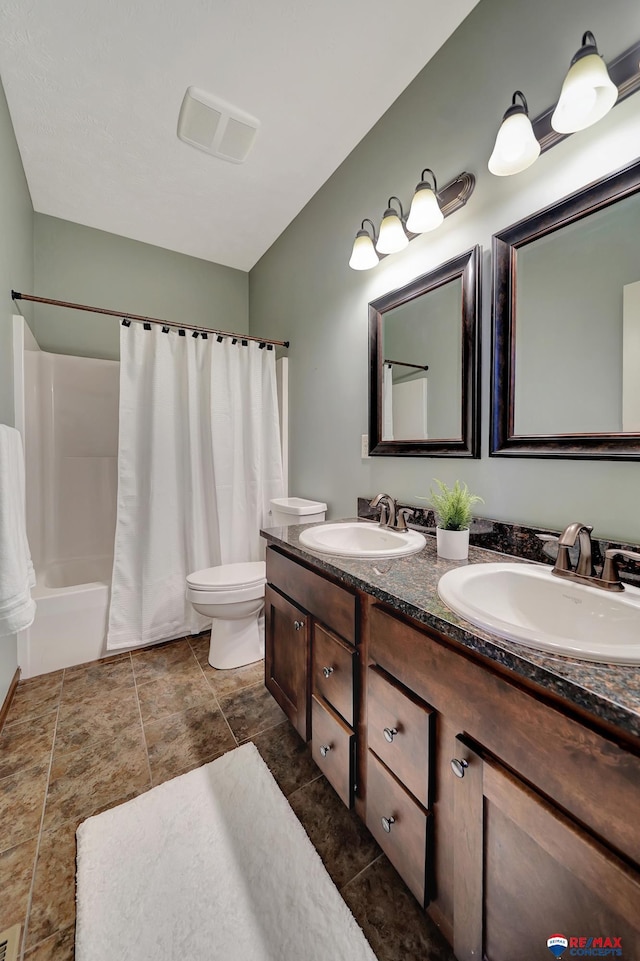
[(95, 86)]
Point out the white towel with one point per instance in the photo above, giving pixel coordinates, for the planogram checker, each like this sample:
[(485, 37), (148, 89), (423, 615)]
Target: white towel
[(17, 577)]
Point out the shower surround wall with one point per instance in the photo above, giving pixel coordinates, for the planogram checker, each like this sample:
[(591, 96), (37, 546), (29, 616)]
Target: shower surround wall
[(71, 449)]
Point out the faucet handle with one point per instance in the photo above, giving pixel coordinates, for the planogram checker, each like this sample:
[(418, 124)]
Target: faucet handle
[(610, 574), (401, 518)]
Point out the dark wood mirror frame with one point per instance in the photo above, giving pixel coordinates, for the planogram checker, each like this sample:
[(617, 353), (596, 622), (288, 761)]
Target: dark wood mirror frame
[(504, 442), (468, 268)]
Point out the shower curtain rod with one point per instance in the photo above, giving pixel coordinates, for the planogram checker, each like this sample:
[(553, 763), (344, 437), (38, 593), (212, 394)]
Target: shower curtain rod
[(149, 320), (402, 363)]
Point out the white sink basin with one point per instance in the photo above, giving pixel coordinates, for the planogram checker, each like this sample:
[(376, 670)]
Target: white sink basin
[(353, 539), (532, 606)]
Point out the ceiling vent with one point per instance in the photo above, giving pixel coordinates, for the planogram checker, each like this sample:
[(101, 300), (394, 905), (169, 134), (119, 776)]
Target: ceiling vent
[(216, 127)]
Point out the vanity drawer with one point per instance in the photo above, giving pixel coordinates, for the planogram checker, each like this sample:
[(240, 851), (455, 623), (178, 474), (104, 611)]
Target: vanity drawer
[(406, 842), (333, 671), (331, 604), (332, 748), (400, 730)]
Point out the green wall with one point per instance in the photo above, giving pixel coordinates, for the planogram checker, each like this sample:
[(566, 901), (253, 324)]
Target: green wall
[(87, 266), (16, 269), (303, 290)]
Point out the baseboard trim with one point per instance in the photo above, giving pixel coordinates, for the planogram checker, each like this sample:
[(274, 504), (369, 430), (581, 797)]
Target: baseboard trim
[(4, 710)]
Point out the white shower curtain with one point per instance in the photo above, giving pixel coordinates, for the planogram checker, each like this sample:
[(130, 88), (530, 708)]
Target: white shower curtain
[(199, 459)]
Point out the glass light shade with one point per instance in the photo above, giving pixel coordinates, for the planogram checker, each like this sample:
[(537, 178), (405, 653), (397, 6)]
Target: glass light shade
[(363, 255), (516, 147), (588, 93), (392, 236), (425, 213)]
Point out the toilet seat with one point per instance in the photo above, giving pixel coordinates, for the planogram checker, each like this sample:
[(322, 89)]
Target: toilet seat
[(228, 583)]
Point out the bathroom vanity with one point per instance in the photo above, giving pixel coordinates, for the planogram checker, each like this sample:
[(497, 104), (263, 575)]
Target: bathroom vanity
[(502, 784)]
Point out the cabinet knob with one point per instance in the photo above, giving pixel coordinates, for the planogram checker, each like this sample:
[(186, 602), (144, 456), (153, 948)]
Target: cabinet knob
[(327, 671), (298, 625), (324, 750), (458, 767), (390, 733), (387, 822)]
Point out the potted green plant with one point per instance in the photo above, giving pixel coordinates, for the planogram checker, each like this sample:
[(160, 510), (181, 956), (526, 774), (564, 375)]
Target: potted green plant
[(453, 512)]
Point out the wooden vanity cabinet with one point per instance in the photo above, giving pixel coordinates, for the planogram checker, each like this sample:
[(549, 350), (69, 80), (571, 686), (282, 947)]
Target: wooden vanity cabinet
[(535, 814), (310, 653), (510, 814), (524, 871)]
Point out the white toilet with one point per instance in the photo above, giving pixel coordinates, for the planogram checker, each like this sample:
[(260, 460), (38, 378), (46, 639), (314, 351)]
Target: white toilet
[(232, 595)]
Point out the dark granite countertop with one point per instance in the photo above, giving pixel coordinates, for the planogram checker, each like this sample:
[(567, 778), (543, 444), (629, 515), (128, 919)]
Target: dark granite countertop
[(409, 585)]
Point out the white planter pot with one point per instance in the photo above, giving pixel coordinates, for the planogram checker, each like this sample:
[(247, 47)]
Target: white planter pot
[(452, 545)]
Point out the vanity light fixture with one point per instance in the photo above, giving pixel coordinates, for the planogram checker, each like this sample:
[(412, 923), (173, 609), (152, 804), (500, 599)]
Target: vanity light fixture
[(429, 208), (588, 93), (392, 236), (425, 213), (516, 147), (591, 88), (363, 255)]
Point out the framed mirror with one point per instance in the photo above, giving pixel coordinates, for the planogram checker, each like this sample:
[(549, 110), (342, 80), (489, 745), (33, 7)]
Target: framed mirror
[(566, 327), (424, 364)]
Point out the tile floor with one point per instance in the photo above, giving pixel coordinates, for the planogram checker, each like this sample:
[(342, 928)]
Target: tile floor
[(79, 741)]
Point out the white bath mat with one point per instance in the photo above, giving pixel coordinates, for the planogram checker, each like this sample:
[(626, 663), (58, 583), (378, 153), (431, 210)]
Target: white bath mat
[(211, 866)]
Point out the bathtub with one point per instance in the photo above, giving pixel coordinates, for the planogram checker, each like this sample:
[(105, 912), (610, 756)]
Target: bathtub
[(70, 627), (67, 412)]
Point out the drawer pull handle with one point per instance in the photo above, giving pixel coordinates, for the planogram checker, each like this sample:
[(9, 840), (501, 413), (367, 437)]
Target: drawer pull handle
[(458, 767), (324, 750), (390, 733), (327, 671), (386, 824), (298, 625)]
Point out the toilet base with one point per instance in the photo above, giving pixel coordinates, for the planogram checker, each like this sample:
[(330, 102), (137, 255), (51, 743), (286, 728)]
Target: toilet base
[(236, 643)]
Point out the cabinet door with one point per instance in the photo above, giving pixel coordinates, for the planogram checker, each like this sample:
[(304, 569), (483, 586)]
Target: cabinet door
[(524, 873), (287, 648)]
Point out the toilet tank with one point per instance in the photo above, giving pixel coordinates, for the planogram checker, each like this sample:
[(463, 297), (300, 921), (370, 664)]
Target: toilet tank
[(295, 510)]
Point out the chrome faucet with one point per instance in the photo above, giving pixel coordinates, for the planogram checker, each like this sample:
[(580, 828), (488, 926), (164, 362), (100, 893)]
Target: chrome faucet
[(584, 568), (387, 509)]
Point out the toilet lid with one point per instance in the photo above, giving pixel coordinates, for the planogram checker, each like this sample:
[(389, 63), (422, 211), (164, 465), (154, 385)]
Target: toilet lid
[(228, 575)]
